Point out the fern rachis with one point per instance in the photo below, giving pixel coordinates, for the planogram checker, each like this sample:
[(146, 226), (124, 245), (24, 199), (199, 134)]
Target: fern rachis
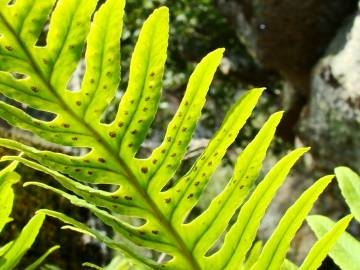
[(112, 160)]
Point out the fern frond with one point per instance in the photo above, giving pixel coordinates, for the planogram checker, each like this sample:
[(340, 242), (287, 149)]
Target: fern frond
[(11, 253), (349, 183), (145, 188), (345, 252), (319, 251)]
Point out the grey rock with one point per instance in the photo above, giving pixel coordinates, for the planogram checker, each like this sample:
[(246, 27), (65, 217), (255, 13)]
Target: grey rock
[(331, 123)]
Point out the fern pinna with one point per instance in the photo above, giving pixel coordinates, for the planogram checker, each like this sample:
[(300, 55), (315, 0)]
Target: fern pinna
[(112, 147)]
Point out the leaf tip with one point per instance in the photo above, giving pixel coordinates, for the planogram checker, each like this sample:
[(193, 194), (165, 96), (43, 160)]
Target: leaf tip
[(348, 218), (161, 12), (303, 150)]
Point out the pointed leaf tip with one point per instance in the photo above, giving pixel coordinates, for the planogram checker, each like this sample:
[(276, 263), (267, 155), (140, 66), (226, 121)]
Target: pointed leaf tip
[(218, 53), (161, 11), (303, 150)]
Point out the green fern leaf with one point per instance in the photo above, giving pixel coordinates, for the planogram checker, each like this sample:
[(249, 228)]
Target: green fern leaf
[(12, 252), (253, 255), (346, 250), (143, 189), (319, 251), (349, 183), (275, 249), (7, 179)]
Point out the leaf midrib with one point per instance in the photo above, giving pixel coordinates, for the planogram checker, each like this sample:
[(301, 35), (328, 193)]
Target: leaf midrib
[(103, 144)]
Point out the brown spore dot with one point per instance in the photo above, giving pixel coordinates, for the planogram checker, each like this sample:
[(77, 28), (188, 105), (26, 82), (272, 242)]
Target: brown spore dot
[(241, 187), (190, 196), (184, 129), (197, 183), (71, 47), (74, 138), (152, 74), (45, 61), (134, 132), (154, 161), (187, 179), (77, 170), (86, 161), (128, 198), (126, 113), (101, 160), (155, 232), (179, 142), (173, 155), (203, 174), (132, 101), (92, 80), (209, 163), (115, 206), (163, 151), (142, 232), (216, 154), (140, 121), (168, 200), (90, 173), (108, 73), (115, 196), (147, 98), (178, 190), (9, 48), (66, 125), (105, 87), (168, 166), (78, 102), (169, 139), (186, 103), (34, 89), (120, 124), (130, 145), (144, 169), (145, 109), (112, 134)]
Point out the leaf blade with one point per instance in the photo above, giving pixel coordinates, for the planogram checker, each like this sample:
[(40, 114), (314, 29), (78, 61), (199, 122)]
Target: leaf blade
[(241, 235), (349, 183), (321, 248), (275, 249), (345, 251)]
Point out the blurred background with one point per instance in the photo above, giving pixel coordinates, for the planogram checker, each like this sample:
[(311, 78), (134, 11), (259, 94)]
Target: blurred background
[(307, 54)]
